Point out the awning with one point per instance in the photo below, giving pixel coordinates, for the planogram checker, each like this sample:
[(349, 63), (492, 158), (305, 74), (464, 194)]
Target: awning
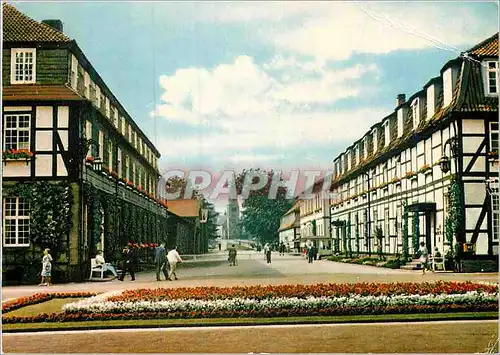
[(422, 207)]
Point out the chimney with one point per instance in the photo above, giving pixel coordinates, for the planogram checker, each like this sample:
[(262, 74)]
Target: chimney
[(401, 98), (55, 24)]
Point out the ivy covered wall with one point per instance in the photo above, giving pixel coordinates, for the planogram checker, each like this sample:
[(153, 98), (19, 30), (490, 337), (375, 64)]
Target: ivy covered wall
[(50, 226)]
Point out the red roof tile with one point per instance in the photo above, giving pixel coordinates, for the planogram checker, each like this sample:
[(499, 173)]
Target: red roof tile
[(487, 48), (39, 92), (17, 27), (184, 208)]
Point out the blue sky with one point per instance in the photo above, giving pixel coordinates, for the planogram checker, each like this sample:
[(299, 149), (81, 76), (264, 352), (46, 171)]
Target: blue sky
[(287, 85)]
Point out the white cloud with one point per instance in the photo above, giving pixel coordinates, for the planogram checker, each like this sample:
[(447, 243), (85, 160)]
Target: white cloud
[(251, 107), (347, 28)]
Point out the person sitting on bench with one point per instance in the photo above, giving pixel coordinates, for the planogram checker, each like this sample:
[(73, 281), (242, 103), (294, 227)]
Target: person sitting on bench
[(99, 260)]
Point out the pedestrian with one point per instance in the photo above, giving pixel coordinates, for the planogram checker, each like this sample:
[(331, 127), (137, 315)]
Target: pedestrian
[(315, 252), (161, 261), (173, 258), (310, 254), (232, 256), (46, 268), (220, 246), (128, 263), (267, 252), (424, 257)]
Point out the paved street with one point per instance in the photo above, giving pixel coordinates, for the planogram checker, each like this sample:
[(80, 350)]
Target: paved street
[(440, 337), (252, 269), (213, 270)]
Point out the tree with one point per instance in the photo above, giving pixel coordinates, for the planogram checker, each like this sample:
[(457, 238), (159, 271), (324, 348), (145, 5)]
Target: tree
[(213, 216), (178, 185), (262, 215)]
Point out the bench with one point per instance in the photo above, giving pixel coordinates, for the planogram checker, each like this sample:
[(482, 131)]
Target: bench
[(101, 269), (437, 261)]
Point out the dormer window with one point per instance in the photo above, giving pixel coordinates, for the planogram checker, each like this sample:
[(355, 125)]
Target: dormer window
[(415, 113), (375, 140), (387, 133), (491, 78), (341, 165), (23, 66), (447, 87), (348, 160), (357, 154), (400, 122), (365, 147)]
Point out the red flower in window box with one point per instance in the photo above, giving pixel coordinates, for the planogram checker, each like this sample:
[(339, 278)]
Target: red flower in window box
[(16, 154), (90, 159)]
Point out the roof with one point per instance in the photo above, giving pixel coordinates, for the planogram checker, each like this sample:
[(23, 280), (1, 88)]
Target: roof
[(184, 208), (17, 27), (39, 92), (468, 96), (295, 207), (487, 48)]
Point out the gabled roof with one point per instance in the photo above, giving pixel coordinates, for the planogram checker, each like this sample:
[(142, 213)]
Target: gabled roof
[(17, 27), (185, 208), (487, 48)]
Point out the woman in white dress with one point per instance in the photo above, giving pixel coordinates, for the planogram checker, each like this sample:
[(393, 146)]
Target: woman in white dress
[(46, 268), (424, 257)]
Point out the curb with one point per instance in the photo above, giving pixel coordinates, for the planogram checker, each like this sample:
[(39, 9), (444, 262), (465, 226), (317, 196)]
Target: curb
[(257, 323)]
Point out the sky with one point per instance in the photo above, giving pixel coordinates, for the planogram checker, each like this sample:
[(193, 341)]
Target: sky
[(276, 85)]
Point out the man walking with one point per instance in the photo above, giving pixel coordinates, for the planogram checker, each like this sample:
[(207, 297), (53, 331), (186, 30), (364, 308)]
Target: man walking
[(128, 263), (267, 251), (173, 258), (232, 255), (160, 261)]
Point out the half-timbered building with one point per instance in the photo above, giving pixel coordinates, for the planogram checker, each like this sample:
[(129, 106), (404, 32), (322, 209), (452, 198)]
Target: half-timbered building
[(429, 170), (289, 232), (79, 174)]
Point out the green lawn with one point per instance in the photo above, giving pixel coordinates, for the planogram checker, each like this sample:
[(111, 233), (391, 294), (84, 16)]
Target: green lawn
[(153, 323), (51, 306)]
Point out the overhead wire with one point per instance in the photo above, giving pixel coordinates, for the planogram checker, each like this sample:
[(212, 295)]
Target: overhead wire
[(434, 42)]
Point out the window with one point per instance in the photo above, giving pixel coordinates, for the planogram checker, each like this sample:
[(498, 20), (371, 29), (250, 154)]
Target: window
[(415, 113), (495, 208), (348, 160), (107, 108), (357, 154), (431, 103), (110, 155), (16, 222), (114, 114), (101, 145), (129, 135), (400, 122), (132, 174), (74, 71), (98, 97), (494, 136), (17, 131), (491, 78), (127, 167), (387, 133), (375, 141), (447, 87), (86, 84), (119, 161), (365, 147), (23, 66)]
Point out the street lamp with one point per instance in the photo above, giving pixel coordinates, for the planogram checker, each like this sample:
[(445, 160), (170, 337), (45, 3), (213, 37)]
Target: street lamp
[(445, 161)]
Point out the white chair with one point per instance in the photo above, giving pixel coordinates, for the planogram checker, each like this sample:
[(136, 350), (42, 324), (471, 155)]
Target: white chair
[(440, 260), (94, 267)]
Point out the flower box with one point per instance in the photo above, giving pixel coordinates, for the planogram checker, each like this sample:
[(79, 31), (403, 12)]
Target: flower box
[(493, 155), (14, 155)]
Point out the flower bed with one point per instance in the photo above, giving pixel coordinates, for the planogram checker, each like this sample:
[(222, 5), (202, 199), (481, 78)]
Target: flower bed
[(301, 291), (277, 301), (39, 298)]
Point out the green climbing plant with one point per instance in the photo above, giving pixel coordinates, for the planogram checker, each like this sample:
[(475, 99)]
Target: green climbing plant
[(379, 236), (349, 240), (406, 251), (416, 233), (50, 211), (357, 235), (455, 212)]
